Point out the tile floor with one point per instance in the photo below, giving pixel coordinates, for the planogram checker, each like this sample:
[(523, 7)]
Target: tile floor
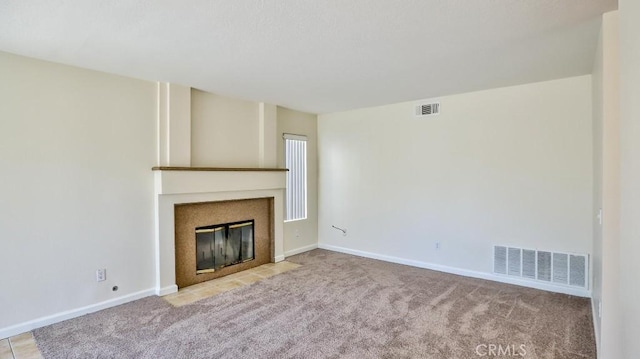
[(24, 346), (21, 346), (203, 290)]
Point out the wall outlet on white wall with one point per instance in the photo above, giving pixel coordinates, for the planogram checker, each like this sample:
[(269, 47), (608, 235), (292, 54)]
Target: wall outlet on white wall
[(101, 275), (297, 233), (599, 309), (600, 216), (438, 245)]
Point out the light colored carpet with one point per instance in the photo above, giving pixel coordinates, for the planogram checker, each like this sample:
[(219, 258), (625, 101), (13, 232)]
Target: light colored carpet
[(337, 306)]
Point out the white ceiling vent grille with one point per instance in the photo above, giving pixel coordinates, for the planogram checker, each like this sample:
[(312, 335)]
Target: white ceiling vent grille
[(558, 268), (429, 109)]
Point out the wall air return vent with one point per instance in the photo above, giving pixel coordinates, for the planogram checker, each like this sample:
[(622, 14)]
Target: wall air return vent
[(514, 261), (552, 267), (560, 268), (529, 264), (544, 266), (429, 109), (577, 270), (500, 260)]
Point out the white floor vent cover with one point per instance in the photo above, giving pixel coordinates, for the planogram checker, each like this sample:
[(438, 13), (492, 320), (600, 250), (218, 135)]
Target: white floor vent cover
[(557, 268)]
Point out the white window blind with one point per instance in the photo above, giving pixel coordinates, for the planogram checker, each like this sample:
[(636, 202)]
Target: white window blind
[(295, 153)]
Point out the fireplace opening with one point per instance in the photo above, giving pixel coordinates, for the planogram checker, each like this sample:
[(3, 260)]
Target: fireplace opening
[(223, 245)]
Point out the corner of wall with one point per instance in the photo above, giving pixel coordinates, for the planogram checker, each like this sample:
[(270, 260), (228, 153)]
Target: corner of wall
[(301, 235)]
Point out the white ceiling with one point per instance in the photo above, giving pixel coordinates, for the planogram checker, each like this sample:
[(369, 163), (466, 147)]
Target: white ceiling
[(313, 55)]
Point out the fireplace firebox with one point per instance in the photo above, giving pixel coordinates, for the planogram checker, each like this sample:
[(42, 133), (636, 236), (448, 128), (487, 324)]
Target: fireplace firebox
[(223, 245), (226, 243)]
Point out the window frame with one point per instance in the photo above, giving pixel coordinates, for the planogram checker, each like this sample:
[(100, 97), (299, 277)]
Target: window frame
[(289, 180)]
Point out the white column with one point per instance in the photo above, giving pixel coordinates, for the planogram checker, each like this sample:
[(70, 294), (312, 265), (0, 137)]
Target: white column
[(630, 177), (174, 125), (267, 135), (610, 259)]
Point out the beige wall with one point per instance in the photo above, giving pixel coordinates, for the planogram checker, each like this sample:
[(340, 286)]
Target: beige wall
[(607, 188), (76, 188), (630, 177), (228, 132), (303, 234), (77, 151), (224, 131), (509, 166)]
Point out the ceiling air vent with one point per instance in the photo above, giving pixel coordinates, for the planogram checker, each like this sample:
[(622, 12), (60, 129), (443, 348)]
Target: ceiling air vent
[(429, 109)]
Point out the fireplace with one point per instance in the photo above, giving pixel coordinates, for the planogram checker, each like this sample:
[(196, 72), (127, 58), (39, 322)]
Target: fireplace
[(179, 190), (214, 239), (223, 245)]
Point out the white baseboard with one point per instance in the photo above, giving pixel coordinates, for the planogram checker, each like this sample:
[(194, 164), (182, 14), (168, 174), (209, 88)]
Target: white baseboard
[(463, 272), (73, 313), (300, 250), (279, 258), (594, 313), (167, 290)]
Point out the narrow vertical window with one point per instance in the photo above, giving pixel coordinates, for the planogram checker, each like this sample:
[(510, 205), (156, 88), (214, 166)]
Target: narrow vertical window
[(295, 154)]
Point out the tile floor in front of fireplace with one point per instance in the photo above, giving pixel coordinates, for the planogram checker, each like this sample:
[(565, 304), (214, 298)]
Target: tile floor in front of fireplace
[(207, 289), (23, 346)]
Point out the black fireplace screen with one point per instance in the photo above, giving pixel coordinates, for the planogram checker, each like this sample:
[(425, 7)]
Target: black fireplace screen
[(222, 245)]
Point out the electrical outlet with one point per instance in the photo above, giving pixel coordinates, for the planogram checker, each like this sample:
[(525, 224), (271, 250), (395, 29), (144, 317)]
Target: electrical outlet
[(297, 233), (101, 275), (600, 216), (600, 310), (437, 245)]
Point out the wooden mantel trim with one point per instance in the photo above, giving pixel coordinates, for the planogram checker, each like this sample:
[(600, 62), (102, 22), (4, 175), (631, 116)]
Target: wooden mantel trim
[(219, 169)]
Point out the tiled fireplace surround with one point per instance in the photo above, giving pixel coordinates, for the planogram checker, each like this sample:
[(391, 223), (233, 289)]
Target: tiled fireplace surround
[(196, 185)]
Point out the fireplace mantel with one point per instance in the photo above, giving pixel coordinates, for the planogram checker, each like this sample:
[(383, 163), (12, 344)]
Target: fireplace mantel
[(180, 185), (177, 180), (217, 169)]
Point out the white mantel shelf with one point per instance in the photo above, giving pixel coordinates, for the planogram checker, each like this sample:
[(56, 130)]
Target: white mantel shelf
[(218, 169), (180, 180)]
